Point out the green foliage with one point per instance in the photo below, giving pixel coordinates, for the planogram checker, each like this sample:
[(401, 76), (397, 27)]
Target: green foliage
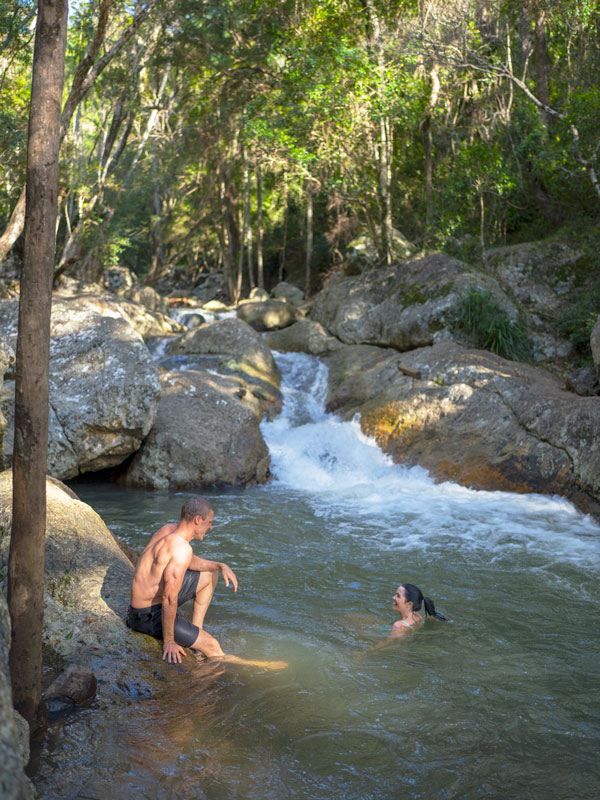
[(491, 327), (578, 321)]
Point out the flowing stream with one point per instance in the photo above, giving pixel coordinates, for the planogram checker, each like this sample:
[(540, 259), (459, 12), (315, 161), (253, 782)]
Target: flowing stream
[(499, 702)]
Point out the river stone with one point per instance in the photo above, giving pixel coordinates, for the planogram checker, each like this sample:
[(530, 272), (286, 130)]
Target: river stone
[(104, 387), (76, 683), (288, 293), (268, 315), (206, 433), (14, 731), (148, 297), (407, 305), (304, 336), (595, 346), (473, 418)]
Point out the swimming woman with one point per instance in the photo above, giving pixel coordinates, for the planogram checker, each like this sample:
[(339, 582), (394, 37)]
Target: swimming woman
[(407, 602)]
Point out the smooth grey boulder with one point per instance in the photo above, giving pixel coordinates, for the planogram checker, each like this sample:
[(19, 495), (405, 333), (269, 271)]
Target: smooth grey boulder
[(206, 433), (14, 731), (472, 417), (362, 253), (304, 336), (148, 297), (88, 577), (104, 386), (267, 315), (595, 346), (407, 305), (288, 293)]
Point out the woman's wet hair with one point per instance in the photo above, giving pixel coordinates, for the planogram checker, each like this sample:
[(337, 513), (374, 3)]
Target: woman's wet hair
[(415, 596), (195, 507)]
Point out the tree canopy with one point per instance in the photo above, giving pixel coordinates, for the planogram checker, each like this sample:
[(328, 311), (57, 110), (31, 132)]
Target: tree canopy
[(208, 129)]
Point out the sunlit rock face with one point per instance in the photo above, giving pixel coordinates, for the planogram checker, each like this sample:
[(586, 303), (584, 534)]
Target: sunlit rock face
[(595, 345), (104, 387), (406, 305), (87, 575), (304, 336), (206, 433), (474, 418), (268, 315)]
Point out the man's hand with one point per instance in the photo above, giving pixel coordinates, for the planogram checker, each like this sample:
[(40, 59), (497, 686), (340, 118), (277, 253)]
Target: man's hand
[(228, 575), (173, 652)]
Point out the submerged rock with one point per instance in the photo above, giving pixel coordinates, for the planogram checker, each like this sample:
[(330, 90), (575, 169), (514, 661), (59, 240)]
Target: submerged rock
[(104, 387), (474, 418), (206, 433)]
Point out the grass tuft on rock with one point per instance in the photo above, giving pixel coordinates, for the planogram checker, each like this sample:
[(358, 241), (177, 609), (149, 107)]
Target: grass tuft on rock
[(491, 328)]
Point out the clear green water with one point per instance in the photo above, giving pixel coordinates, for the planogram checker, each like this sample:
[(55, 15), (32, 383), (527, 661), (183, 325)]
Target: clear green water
[(500, 702)]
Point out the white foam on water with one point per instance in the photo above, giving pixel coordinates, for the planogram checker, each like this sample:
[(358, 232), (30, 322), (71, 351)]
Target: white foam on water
[(343, 471)]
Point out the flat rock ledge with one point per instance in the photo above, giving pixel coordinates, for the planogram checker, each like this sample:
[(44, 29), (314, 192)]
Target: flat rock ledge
[(472, 417)]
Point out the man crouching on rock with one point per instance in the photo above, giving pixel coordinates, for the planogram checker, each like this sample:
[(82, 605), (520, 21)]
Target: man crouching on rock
[(167, 575)]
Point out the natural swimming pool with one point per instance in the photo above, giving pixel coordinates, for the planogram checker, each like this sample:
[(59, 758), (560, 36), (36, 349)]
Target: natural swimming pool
[(501, 702)]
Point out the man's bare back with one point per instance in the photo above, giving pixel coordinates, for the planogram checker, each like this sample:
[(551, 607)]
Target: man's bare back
[(148, 584)]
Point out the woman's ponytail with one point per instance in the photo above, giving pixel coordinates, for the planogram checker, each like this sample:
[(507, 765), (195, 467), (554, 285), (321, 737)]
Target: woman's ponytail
[(430, 609)]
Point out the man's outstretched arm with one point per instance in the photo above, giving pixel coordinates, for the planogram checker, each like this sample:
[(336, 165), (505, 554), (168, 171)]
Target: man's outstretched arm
[(204, 565)]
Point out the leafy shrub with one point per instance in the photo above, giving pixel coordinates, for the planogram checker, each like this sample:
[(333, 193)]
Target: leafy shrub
[(491, 328), (578, 320)]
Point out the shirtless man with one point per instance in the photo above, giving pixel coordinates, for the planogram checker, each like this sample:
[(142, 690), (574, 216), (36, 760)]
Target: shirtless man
[(167, 575)]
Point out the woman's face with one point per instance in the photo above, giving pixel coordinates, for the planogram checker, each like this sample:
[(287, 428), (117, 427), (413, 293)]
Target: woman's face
[(399, 601)]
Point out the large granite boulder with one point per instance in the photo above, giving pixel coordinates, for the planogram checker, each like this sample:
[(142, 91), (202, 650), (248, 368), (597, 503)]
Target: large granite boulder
[(304, 336), (206, 433), (233, 348), (362, 253), (104, 387), (540, 277), (88, 577), (14, 731), (268, 315), (473, 417), (288, 292), (595, 346), (404, 306)]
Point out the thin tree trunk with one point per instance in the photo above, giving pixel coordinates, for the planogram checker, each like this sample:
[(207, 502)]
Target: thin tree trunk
[(245, 218), (259, 227), (285, 232), (433, 98), (309, 240), (27, 544)]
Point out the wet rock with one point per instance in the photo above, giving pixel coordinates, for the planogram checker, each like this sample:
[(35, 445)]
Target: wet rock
[(268, 315), (304, 336), (473, 418), (288, 293), (75, 685), (595, 346), (193, 321), (104, 386), (14, 731), (404, 306), (206, 433)]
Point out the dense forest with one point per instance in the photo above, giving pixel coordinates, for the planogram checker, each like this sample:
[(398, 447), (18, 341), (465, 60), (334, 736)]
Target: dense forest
[(261, 136)]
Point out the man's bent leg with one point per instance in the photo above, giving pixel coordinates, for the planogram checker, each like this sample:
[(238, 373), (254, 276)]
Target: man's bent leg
[(204, 592), (207, 644)]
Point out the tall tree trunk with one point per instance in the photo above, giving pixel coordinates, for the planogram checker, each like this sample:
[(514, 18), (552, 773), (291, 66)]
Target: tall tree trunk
[(27, 544), (427, 126), (542, 58), (309, 239), (286, 215), (259, 226)]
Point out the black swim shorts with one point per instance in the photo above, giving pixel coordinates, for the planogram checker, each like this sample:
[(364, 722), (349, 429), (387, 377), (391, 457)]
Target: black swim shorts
[(149, 620)]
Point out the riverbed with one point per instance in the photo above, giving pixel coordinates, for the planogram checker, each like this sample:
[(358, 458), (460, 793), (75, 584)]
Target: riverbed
[(500, 701)]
